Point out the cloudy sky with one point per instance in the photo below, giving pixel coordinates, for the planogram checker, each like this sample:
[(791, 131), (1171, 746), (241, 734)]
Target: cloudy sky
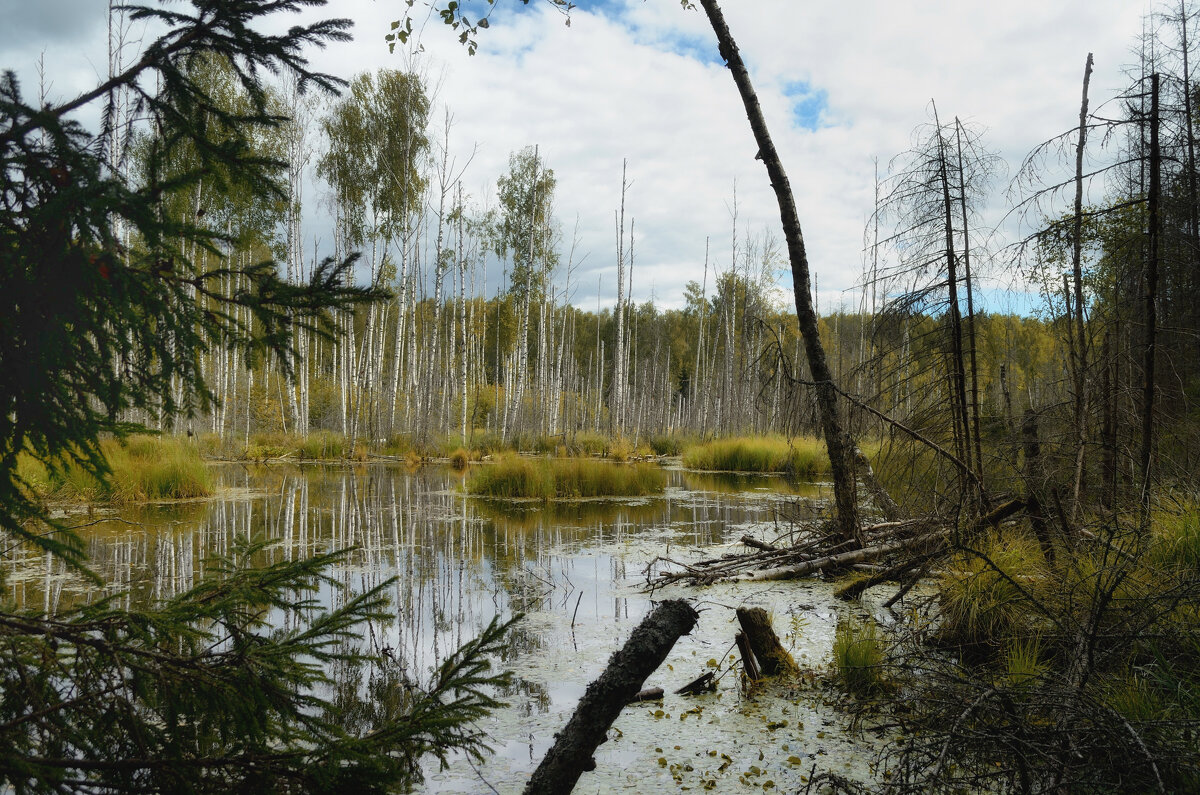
[(842, 84)]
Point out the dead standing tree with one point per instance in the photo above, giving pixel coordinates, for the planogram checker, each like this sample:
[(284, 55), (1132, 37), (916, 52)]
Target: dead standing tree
[(837, 440)]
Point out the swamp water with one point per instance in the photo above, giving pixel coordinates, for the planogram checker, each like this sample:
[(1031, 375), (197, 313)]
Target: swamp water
[(575, 569)]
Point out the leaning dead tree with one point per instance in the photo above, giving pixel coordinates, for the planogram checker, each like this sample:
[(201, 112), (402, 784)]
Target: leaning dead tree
[(837, 440)]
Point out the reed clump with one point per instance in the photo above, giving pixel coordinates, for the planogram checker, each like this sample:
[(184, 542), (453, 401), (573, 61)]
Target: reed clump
[(858, 657), (142, 469), (801, 457), (517, 477), (984, 596), (320, 446)]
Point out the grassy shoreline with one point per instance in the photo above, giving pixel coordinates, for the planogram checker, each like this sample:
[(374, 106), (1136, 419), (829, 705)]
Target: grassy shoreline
[(143, 469)]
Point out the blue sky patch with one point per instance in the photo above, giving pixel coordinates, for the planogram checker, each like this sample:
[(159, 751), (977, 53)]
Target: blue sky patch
[(808, 104)]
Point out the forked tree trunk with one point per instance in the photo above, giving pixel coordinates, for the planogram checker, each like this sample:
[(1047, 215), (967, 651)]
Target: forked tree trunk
[(836, 439)]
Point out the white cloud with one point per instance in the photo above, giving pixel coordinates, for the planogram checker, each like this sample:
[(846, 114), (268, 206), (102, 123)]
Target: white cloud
[(638, 82)]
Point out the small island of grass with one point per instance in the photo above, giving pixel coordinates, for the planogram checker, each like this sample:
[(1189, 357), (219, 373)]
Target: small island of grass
[(515, 477)]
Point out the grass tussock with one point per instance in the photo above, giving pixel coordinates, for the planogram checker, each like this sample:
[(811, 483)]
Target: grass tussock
[(801, 457), (143, 469), (858, 658), (515, 477), (320, 446), (984, 592), (459, 459)]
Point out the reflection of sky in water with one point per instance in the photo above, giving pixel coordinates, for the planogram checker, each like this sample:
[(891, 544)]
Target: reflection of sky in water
[(574, 568)]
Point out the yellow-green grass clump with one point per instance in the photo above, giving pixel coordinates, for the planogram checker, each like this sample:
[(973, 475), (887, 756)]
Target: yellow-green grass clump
[(321, 446), (515, 477), (143, 469), (858, 657), (801, 457), (984, 598)]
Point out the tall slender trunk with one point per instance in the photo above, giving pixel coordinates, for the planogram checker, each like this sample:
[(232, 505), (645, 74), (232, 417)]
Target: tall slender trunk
[(971, 348), (1151, 321), (1079, 358), (617, 407), (836, 439), (958, 372)]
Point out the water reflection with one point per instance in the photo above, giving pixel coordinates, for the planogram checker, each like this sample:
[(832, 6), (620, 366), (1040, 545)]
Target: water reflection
[(573, 568)]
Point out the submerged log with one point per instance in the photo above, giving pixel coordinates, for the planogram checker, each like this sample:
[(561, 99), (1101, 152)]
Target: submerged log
[(701, 684), (753, 542), (649, 694), (647, 647), (772, 658)]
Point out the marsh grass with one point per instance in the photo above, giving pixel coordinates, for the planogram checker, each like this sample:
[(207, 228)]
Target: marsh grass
[(802, 457), (143, 469), (517, 477), (459, 459), (983, 592), (1175, 539), (858, 657), (320, 446)]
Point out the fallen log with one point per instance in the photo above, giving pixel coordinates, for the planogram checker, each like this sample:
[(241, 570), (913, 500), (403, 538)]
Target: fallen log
[(647, 647), (753, 542), (772, 658), (843, 559), (649, 694)]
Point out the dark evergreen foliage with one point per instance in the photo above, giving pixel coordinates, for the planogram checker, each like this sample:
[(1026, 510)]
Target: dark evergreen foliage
[(104, 308)]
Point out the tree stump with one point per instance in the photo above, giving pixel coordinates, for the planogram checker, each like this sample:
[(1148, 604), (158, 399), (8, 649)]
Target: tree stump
[(772, 658), (647, 647)]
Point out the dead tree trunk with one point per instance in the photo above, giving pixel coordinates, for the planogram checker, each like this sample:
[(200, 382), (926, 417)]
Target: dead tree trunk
[(1151, 323), (836, 438), (647, 647), (1033, 484), (1079, 349)]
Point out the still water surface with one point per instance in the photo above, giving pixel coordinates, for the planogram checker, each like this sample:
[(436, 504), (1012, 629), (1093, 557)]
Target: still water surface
[(576, 570)]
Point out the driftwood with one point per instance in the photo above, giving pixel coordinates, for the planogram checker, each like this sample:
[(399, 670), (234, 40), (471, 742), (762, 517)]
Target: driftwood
[(772, 658), (845, 558), (647, 647), (926, 535), (751, 541), (749, 665), (649, 694), (701, 684)]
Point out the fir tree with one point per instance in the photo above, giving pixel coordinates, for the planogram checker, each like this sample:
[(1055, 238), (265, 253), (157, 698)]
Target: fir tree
[(109, 297)]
